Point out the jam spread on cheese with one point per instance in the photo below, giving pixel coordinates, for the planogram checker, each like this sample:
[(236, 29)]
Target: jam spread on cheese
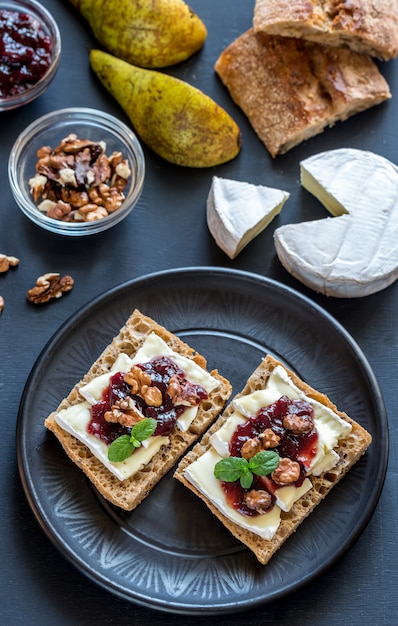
[(98, 425), (286, 426), (126, 399)]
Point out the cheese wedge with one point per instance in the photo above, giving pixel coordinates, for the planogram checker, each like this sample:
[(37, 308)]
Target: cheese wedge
[(239, 211), (355, 253)]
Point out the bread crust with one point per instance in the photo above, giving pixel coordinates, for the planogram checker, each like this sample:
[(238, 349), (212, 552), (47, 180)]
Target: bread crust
[(291, 89), (349, 450), (127, 494), (365, 26)]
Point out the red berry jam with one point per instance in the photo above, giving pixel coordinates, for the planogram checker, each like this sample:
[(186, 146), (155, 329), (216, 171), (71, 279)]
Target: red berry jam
[(297, 447), (98, 425), (160, 369), (25, 52), (100, 428)]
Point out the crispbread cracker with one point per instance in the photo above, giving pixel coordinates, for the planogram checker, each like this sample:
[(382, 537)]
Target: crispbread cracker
[(291, 89), (366, 26), (128, 493), (349, 450)]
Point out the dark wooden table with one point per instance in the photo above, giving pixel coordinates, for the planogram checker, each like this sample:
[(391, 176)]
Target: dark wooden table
[(167, 229)]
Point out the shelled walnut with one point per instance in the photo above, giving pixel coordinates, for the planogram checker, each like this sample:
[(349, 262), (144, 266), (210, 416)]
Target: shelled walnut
[(124, 412), (49, 286), (78, 182), (140, 383), (287, 472), (7, 261)]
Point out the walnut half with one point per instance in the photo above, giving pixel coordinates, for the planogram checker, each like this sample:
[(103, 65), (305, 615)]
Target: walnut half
[(48, 287), (287, 472), (140, 383), (124, 412), (7, 261), (258, 500)]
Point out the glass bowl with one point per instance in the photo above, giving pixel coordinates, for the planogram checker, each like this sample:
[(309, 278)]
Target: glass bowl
[(50, 28), (50, 130)]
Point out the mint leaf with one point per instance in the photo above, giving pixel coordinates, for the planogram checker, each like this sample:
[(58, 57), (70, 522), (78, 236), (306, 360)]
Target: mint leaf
[(246, 479), (135, 442), (235, 468), (230, 469), (264, 463), (120, 449), (144, 429), (124, 446)]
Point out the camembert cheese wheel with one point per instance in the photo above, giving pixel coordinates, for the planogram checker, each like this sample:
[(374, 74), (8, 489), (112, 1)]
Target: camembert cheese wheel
[(355, 252)]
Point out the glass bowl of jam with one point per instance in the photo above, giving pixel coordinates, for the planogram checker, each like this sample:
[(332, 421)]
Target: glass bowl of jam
[(30, 49), (76, 171)]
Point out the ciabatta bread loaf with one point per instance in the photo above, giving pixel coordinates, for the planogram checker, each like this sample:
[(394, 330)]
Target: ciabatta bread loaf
[(291, 89), (333, 457), (366, 26), (128, 493)]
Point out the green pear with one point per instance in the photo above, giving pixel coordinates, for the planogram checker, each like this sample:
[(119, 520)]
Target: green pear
[(176, 120), (147, 33)]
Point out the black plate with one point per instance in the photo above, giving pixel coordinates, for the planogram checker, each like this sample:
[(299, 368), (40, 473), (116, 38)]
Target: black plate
[(170, 553)]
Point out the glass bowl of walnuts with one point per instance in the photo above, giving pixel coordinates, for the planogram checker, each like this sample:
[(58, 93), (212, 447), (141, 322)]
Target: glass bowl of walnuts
[(77, 171)]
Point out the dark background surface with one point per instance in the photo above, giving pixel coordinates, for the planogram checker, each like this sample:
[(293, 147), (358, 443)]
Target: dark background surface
[(168, 229)]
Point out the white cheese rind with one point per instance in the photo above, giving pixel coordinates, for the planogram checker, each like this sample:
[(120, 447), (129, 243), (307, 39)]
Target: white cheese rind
[(331, 427), (93, 390), (355, 253), (75, 419), (238, 211), (221, 438)]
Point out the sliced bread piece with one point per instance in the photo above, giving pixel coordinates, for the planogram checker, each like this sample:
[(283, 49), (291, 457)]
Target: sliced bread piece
[(291, 89), (70, 420), (341, 442), (366, 26)]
